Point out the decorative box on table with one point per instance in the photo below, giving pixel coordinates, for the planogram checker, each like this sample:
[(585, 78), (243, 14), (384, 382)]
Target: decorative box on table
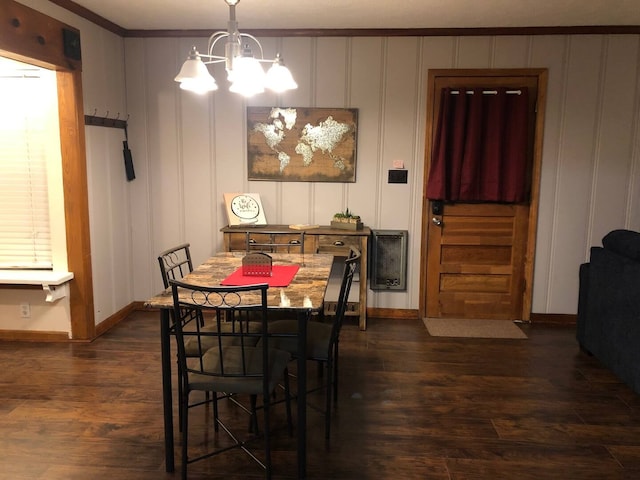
[(257, 264), (346, 221), (347, 225)]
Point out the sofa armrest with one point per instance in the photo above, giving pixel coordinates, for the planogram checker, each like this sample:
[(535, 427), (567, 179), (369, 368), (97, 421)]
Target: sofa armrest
[(625, 243)]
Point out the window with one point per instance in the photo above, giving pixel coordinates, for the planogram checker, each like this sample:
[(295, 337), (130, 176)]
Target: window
[(28, 117)]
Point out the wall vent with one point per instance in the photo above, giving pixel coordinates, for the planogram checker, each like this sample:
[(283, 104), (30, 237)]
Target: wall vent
[(388, 261)]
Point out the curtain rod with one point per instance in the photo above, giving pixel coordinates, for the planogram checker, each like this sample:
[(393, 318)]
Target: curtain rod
[(487, 92)]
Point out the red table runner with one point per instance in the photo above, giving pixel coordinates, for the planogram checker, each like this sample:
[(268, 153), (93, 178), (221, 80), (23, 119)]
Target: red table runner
[(281, 276)]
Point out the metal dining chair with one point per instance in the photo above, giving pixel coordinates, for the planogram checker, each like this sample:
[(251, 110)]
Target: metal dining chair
[(228, 362), (175, 263), (322, 338)]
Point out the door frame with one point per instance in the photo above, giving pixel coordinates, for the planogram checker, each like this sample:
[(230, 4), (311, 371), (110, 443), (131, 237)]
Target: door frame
[(542, 75)]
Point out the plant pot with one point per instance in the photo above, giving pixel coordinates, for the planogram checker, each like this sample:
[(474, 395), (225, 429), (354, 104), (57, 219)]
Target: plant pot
[(347, 224)]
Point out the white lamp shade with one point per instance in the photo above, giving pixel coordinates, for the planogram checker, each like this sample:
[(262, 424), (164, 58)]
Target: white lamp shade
[(195, 77), (199, 86), (247, 76), (279, 78)]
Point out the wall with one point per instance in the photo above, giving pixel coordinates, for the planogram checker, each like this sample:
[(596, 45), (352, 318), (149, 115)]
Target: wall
[(190, 149)]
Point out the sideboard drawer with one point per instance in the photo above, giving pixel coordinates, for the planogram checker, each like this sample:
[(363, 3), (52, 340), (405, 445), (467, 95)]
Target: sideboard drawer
[(266, 242), (237, 242), (337, 244)]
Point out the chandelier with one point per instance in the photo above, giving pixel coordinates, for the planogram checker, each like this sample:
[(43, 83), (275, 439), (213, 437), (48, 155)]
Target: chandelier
[(244, 71)]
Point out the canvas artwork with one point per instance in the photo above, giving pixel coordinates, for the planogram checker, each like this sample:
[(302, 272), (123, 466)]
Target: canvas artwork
[(302, 144)]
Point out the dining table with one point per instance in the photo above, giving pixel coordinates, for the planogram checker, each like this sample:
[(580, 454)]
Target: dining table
[(303, 295)]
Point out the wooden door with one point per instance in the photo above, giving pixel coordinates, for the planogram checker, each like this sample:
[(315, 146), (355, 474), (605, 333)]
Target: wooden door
[(477, 258)]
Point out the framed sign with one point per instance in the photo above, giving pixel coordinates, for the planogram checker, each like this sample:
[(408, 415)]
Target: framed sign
[(301, 144), (244, 209)]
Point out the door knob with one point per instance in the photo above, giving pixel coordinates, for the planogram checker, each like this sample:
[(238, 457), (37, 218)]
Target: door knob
[(436, 221)]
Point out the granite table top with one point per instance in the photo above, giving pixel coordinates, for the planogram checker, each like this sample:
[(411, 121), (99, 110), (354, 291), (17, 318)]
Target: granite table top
[(305, 292)]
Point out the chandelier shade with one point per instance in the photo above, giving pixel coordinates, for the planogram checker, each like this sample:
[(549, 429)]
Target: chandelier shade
[(194, 75), (279, 78), (244, 70)]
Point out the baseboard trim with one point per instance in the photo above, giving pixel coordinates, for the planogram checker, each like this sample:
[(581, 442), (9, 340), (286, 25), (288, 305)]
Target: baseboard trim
[(554, 318), (56, 337), (117, 317), (410, 314), (393, 313), (33, 336)]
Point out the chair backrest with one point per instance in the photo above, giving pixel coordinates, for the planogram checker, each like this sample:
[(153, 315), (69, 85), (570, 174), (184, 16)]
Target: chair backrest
[(350, 266), (175, 263), (223, 352)]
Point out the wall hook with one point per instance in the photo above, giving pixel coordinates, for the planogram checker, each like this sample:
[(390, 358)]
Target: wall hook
[(105, 121)]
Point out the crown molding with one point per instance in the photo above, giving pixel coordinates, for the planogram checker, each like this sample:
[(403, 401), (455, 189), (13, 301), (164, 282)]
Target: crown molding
[(358, 32)]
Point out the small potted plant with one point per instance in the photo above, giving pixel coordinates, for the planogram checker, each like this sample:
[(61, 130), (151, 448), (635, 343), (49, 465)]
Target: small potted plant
[(346, 220)]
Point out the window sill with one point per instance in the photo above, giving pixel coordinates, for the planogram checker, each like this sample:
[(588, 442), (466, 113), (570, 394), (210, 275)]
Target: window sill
[(53, 283)]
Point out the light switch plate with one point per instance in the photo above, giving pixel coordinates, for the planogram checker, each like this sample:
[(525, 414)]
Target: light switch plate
[(398, 176)]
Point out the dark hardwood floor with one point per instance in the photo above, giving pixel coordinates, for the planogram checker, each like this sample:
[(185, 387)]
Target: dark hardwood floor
[(411, 407)]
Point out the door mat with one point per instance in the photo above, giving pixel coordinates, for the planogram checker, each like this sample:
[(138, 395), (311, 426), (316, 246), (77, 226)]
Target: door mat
[(472, 328)]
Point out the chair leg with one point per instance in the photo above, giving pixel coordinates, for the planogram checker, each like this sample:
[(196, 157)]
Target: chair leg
[(335, 373), (216, 427), (327, 420), (253, 420), (180, 410), (267, 439), (287, 399), (184, 427)]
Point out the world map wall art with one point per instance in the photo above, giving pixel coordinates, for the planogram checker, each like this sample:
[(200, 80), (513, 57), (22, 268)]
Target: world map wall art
[(301, 144)]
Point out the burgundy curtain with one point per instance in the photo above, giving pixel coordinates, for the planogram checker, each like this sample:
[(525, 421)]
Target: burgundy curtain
[(480, 147)]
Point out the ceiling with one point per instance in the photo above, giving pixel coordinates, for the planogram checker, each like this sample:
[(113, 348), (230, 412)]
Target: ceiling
[(366, 14)]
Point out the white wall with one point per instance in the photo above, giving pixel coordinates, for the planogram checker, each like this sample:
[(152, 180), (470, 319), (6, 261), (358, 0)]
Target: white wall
[(103, 82), (190, 150)]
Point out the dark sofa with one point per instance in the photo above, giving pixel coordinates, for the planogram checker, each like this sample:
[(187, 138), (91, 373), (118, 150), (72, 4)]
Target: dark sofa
[(609, 305)]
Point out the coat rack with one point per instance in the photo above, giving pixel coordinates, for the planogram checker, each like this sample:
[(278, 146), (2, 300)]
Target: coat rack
[(106, 121)]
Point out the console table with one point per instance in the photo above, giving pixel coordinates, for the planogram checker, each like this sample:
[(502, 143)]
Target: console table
[(324, 239)]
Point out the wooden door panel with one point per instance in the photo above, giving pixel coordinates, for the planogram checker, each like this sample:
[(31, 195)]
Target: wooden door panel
[(476, 255), (466, 305), (469, 268), (477, 231), (476, 283)]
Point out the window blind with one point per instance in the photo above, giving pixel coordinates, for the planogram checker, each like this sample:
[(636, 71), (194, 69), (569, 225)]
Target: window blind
[(25, 237)]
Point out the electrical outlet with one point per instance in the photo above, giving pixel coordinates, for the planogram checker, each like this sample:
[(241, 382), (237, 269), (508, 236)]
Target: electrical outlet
[(25, 310)]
